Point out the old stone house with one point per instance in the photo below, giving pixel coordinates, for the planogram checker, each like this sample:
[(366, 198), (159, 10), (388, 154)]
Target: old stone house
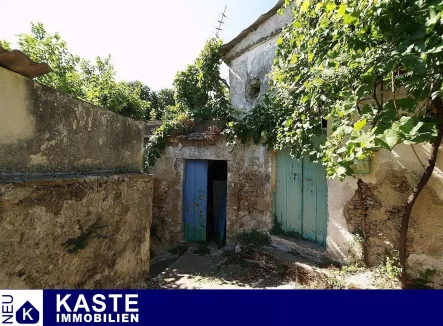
[(263, 187), (205, 189)]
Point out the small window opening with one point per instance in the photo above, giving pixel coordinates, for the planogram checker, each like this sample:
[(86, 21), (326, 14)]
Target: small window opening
[(253, 89)]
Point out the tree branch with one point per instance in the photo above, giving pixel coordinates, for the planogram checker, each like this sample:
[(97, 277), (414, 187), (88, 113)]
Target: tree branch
[(374, 96), (379, 107), (225, 82), (418, 158)]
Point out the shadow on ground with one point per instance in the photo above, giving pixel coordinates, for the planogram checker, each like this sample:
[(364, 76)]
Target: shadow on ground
[(214, 268)]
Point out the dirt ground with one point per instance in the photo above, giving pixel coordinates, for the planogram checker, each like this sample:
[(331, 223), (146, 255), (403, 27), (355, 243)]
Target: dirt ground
[(209, 267), (255, 266)]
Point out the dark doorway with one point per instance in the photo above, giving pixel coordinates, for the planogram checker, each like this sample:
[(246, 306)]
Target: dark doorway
[(217, 192)]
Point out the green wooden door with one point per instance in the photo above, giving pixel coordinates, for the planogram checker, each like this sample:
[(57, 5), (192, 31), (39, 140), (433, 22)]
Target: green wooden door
[(301, 197)]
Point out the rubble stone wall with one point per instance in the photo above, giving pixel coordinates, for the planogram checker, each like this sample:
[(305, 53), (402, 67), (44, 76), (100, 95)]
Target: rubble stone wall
[(84, 232), (376, 211), (249, 187)]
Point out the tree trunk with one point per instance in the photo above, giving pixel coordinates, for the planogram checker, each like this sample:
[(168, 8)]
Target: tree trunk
[(364, 214), (416, 192)]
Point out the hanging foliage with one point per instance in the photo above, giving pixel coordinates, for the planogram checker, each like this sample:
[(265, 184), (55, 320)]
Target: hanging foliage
[(200, 92), (200, 95)]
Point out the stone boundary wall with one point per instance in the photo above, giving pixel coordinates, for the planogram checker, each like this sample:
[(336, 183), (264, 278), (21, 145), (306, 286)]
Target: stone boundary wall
[(43, 131), (75, 211), (84, 232)]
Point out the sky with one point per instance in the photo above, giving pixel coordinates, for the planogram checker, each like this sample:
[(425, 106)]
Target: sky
[(148, 40)]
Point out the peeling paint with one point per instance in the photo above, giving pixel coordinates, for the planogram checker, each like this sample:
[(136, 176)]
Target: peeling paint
[(47, 144), (38, 159), (391, 178)]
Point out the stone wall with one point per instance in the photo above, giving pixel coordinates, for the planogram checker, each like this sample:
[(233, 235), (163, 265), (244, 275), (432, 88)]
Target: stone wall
[(249, 187), (84, 232), (378, 212), (46, 131), (75, 211)]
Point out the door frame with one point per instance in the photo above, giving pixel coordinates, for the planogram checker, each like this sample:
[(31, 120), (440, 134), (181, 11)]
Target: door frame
[(187, 234)]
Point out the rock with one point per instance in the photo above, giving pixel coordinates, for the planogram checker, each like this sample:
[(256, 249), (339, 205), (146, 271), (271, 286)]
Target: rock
[(360, 281)]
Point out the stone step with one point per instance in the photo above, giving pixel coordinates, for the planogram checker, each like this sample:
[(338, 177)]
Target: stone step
[(306, 249)]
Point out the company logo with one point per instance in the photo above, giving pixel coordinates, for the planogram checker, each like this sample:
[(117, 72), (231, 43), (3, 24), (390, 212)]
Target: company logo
[(97, 308), (27, 314), (21, 307)]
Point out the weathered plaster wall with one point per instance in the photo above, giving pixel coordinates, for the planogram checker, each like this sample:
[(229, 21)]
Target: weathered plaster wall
[(249, 187), (388, 186), (42, 222), (252, 58), (255, 64), (45, 131), (268, 29)]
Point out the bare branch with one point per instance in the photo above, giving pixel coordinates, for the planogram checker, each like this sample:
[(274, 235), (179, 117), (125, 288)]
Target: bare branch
[(374, 96)]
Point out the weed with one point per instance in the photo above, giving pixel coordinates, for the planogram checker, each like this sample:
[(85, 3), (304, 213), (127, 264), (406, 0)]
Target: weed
[(336, 282), (355, 253), (424, 281), (277, 229), (276, 226), (352, 269), (339, 276), (387, 274)]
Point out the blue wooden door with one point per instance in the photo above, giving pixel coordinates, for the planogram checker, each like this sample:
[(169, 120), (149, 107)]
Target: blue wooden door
[(301, 198), (195, 196)]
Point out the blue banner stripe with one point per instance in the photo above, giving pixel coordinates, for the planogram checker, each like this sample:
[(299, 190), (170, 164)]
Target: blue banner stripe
[(239, 307)]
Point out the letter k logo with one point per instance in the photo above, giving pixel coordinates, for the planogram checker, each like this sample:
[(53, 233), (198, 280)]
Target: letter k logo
[(27, 314)]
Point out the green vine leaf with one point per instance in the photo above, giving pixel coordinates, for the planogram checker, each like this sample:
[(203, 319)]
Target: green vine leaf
[(360, 124)]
